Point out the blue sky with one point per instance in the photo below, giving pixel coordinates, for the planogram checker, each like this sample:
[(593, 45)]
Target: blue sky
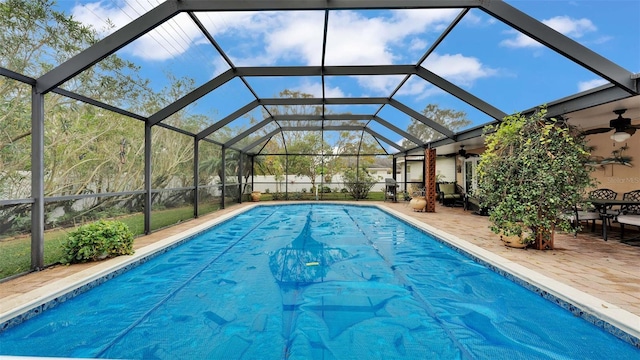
[(482, 55)]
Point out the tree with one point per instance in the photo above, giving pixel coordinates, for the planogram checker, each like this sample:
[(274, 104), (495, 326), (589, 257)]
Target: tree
[(532, 171), (358, 182), (310, 163), (324, 154), (453, 120), (87, 149)]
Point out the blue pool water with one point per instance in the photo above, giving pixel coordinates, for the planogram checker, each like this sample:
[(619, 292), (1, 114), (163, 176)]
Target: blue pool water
[(312, 281)]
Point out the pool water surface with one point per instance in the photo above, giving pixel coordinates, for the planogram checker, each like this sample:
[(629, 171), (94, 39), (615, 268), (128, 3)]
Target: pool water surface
[(312, 281)]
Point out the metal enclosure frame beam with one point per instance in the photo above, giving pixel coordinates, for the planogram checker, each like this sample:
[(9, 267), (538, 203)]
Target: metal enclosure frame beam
[(255, 5), (37, 179)]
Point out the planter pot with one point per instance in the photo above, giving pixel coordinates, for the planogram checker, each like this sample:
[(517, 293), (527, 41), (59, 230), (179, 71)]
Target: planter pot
[(418, 203), (542, 241), (255, 195)]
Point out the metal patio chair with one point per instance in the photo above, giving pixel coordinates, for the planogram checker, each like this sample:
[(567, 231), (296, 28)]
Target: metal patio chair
[(629, 214)]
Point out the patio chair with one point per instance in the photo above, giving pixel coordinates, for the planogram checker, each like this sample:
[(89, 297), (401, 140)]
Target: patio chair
[(605, 194), (474, 204), (450, 194), (629, 214), (576, 216)]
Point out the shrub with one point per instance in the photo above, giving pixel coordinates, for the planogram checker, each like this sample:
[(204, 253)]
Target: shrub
[(96, 241), (358, 183), (533, 169)]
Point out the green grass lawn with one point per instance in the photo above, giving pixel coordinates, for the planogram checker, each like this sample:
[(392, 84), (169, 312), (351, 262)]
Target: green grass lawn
[(15, 254)]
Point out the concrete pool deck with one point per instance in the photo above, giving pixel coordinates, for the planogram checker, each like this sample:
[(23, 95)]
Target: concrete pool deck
[(607, 271)]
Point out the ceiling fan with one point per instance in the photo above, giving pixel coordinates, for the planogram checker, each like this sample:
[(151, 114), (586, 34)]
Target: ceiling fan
[(622, 126), (462, 153)]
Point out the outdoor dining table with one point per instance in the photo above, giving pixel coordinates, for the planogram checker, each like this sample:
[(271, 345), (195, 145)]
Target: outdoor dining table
[(602, 205)]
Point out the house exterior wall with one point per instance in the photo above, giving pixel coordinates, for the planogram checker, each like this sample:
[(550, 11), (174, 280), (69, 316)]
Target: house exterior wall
[(445, 170), (614, 176)]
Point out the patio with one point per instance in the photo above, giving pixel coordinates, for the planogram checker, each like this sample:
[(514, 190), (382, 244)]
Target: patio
[(606, 270)]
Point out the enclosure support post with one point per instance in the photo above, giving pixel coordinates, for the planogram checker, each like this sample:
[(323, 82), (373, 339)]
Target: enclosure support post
[(224, 175), (394, 163), (406, 176), (253, 164), (430, 179), (196, 176), (358, 170), (37, 179), (424, 170), (240, 172), (147, 179), (286, 169)]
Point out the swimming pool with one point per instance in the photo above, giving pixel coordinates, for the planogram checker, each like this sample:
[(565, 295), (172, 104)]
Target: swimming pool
[(311, 281)]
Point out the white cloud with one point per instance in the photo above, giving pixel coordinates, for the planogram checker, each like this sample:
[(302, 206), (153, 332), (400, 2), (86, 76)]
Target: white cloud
[(354, 39), (519, 40), (575, 28), (379, 84), (418, 44), (218, 66), (301, 37), (315, 89), (419, 88), (458, 68), (590, 84)]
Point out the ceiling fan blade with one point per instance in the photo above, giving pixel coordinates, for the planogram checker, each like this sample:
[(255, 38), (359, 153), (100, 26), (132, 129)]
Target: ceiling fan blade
[(630, 130), (596, 131)]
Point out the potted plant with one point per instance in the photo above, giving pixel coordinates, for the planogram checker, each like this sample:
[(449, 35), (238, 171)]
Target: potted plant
[(533, 170)]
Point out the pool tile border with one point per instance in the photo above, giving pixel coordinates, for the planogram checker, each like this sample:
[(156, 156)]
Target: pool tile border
[(615, 324)]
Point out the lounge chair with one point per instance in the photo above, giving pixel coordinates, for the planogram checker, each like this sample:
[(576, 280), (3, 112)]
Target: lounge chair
[(450, 194)]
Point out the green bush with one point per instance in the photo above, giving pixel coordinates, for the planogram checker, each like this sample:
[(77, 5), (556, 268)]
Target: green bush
[(96, 241), (358, 183)]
